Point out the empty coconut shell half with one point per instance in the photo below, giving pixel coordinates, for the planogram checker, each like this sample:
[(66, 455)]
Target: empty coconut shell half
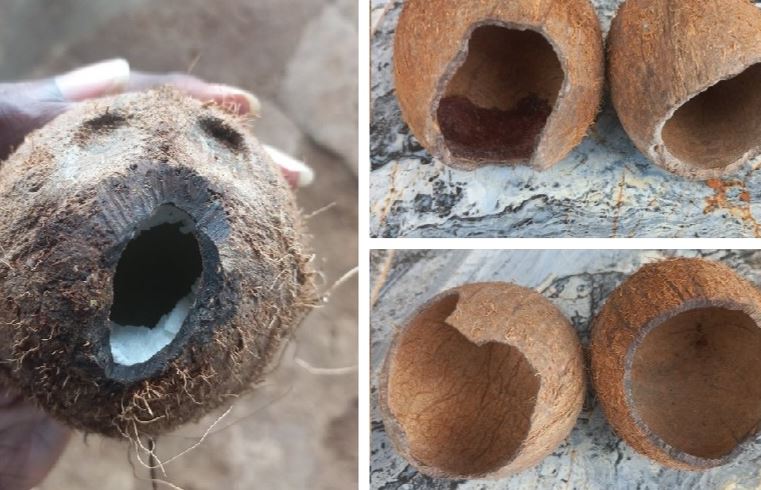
[(483, 381), (675, 362), (685, 78), (496, 82), (152, 263)]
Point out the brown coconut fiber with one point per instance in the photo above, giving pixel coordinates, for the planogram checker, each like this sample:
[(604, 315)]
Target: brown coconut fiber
[(685, 77), (495, 82), (675, 352), (82, 251), (483, 381)]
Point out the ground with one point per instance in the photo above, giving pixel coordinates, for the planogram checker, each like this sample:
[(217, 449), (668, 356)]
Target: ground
[(577, 282), (299, 430)]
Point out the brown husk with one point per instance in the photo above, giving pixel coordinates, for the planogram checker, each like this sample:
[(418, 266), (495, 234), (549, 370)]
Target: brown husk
[(672, 349), (482, 381), (664, 54), (558, 46), (72, 196)]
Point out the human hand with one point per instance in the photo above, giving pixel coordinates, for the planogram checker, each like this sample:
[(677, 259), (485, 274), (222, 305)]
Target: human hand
[(28, 105), (30, 443)]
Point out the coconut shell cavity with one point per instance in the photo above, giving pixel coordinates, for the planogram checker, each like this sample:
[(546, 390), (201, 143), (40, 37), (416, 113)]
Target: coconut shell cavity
[(482, 381), (495, 82), (153, 263), (684, 80), (673, 351)]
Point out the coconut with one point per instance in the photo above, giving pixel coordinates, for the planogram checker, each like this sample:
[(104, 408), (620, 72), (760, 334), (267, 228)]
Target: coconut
[(482, 381), (684, 80), (495, 82), (152, 263), (671, 352)]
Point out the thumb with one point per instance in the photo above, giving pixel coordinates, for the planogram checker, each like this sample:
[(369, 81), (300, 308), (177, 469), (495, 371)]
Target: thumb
[(108, 77), (26, 106)]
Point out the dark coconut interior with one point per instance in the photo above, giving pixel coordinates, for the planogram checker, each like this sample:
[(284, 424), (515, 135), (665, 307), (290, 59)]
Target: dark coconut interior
[(496, 105), (695, 383), (155, 285), (464, 409), (720, 125)]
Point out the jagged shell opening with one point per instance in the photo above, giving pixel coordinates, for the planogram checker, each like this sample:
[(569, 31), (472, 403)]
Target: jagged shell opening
[(720, 125), (465, 409), (694, 381), (497, 103), (155, 286)]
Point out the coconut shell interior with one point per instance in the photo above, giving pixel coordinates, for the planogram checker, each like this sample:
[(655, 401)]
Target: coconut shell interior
[(720, 125), (464, 409), (694, 384), (497, 102)]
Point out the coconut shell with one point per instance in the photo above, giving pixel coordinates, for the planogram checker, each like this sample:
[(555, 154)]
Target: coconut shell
[(495, 82), (482, 381), (671, 353), (684, 78), (75, 194)]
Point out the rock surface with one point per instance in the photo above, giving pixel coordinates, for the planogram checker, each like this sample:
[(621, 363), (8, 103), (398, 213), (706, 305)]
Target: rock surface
[(604, 188), (577, 282), (326, 106)]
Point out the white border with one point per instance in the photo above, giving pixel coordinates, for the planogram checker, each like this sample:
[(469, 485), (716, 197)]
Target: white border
[(363, 312)]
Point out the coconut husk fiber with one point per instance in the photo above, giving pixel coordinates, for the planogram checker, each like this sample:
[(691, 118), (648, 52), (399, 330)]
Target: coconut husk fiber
[(684, 78), (495, 82), (482, 381), (79, 251), (674, 354)]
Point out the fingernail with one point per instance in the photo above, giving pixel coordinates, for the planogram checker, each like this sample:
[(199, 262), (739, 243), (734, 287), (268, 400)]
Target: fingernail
[(254, 106), (96, 80), (304, 175)]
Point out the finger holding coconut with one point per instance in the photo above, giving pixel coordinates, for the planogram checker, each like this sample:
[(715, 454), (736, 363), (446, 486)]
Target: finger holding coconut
[(674, 354), (153, 263), (495, 82), (482, 381), (684, 78)]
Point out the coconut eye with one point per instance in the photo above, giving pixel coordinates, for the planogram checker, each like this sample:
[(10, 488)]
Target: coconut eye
[(100, 125), (105, 123), (222, 132)]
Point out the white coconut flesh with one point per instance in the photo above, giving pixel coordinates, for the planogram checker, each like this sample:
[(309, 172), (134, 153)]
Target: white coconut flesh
[(155, 286)]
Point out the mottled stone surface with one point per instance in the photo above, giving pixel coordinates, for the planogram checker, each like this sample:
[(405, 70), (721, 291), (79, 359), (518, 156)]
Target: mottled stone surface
[(605, 187), (577, 282)]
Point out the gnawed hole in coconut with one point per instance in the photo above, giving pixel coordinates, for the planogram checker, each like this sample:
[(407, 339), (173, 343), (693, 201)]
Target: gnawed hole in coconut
[(464, 408), (694, 381), (720, 125), (155, 286), (497, 103)]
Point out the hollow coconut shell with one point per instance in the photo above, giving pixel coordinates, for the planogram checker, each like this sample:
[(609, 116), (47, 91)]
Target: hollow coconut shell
[(73, 196), (482, 381), (519, 82), (672, 354), (684, 79)]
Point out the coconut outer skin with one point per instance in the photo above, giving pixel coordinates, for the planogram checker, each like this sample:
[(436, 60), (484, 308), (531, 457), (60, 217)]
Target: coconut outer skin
[(432, 42), (663, 53), (72, 196), (653, 294), (512, 315)]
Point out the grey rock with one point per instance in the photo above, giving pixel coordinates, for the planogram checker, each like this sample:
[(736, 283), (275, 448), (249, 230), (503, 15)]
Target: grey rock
[(320, 85)]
